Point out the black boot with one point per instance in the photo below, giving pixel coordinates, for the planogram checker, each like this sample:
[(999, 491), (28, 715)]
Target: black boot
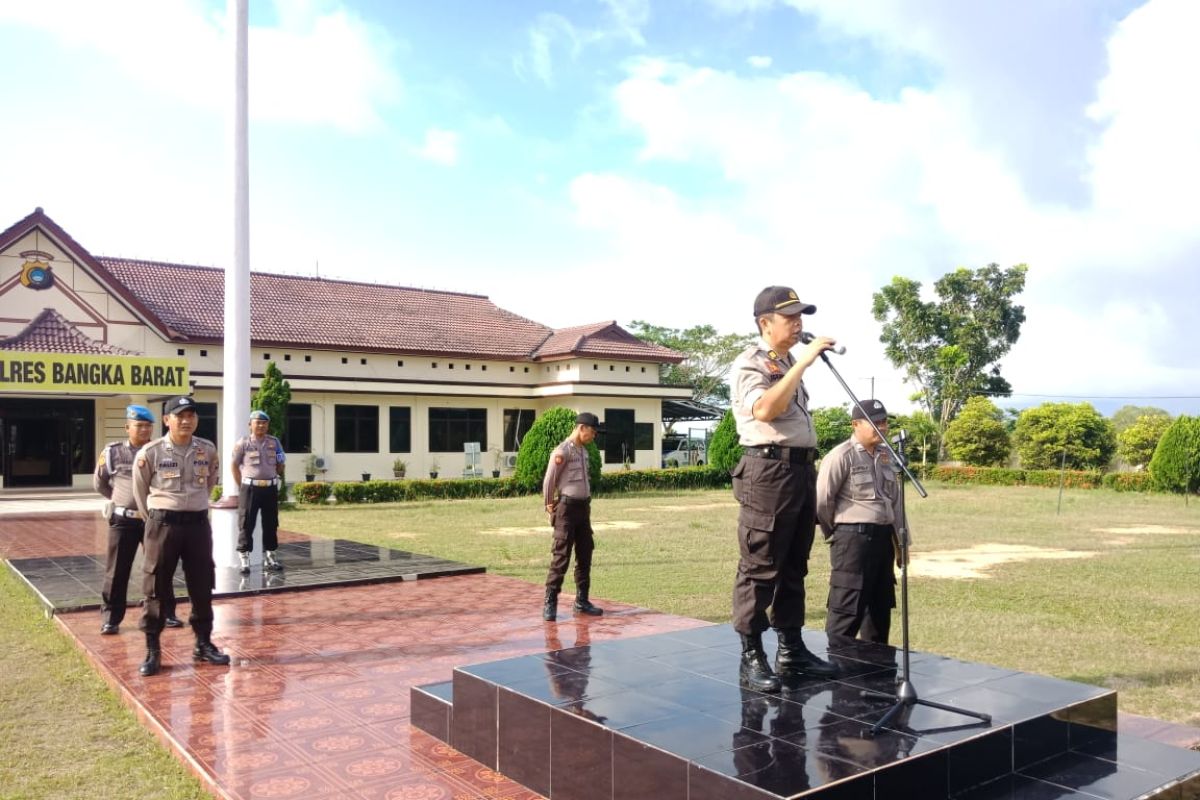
[(205, 650), (153, 661), (793, 659), (550, 609), (755, 673), (583, 605)]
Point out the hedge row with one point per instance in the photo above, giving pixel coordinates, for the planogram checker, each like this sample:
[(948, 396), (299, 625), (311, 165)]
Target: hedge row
[(1072, 479), (680, 478)]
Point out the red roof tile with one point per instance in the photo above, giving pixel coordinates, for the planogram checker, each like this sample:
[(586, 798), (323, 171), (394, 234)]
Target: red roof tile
[(604, 340), (51, 332)]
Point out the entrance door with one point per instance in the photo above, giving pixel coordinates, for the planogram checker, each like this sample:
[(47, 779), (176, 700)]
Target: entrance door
[(46, 441)]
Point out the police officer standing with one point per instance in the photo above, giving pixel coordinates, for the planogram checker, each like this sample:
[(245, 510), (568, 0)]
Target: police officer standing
[(172, 480), (257, 466), (114, 479), (774, 485), (859, 508), (567, 495)]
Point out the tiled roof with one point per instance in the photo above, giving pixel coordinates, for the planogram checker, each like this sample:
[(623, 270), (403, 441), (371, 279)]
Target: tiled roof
[(330, 314), (51, 332), (603, 340)]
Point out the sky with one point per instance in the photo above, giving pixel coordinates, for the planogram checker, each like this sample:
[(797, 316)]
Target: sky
[(588, 160)]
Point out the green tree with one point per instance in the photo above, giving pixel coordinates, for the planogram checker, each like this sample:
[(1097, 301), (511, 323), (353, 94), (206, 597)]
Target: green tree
[(1045, 431), (1125, 416), (832, 426), (1137, 442), (548, 432), (708, 355), (951, 347), (1175, 466), (273, 396), (921, 433), (724, 452), (977, 436)]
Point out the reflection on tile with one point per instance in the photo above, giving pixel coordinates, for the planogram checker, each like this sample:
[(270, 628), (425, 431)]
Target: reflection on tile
[(1095, 776)]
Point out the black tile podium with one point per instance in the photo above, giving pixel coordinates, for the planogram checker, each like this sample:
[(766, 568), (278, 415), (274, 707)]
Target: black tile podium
[(663, 717)]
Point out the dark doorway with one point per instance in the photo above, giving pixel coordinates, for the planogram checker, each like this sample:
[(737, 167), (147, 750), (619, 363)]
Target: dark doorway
[(45, 442)]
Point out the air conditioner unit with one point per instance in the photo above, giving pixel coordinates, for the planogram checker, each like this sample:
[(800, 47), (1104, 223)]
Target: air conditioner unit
[(510, 460), (321, 463)]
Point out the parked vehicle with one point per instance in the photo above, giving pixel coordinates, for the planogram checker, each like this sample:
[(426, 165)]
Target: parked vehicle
[(684, 453)]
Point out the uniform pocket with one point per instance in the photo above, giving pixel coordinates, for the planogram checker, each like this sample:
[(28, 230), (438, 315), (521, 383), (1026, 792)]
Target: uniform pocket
[(845, 591), (754, 538), (862, 483)]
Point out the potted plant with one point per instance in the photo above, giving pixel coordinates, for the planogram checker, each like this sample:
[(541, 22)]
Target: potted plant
[(399, 468), (310, 468), (433, 468), (497, 455)]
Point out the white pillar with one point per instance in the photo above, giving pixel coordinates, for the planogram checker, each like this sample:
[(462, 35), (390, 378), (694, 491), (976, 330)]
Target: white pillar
[(235, 397)]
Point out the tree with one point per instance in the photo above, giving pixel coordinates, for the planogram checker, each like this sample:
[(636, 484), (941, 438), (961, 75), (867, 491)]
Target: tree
[(833, 427), (977, 436), (1045, 431), (548, 432), (708, 355), (724, 452), (1136, 444), (1125, 416), (1175, 466), (273, 396), (922, 435), (951, 347)]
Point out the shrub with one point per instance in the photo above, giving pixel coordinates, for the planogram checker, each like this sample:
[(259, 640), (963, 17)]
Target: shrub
[(548, 432), (1176, 462), (1072, 479), (683, 478), (832, 426), (977, 435), (991, 476), (314, 492), (1129, 481), (1137, 443), (724, 452), (1044, 432)]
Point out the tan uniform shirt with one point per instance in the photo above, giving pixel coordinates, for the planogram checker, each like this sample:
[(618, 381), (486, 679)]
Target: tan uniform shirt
[(853, 486), (258, 459), (173, 478), (567, 473), (755, 371), (114, 473)]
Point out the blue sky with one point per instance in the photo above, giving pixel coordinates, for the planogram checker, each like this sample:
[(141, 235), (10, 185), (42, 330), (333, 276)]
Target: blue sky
[(630, 159)]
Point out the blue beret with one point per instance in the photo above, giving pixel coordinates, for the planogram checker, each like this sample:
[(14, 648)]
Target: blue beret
[(259, 414), (138, 413)]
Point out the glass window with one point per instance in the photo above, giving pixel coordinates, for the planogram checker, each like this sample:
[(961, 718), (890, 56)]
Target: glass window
[(356, 429), (618, 435), (297, 428), (451, 428), (517, 422), (400, 429), (643, 436)]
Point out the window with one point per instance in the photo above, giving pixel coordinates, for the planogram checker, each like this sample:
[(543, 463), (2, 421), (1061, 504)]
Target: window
[(362, 361), (643, 436), (180, 352), (297, 428), (400, 429), (206, 425), (287, 356), (266, 356), (451, 428), (203, 353), (307, 359), (345, 360), (618, 435), (517, 422), (399, 363), (356, 429)]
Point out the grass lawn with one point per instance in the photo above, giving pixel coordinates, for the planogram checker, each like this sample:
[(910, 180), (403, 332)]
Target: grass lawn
[(1123, 616)]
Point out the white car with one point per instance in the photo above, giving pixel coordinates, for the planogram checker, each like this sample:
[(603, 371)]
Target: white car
[(686, 453)]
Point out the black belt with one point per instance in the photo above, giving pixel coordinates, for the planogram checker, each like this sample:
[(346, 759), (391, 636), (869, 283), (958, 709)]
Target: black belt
[(164, 515), (796, 455), (581, 501), (864, 527)]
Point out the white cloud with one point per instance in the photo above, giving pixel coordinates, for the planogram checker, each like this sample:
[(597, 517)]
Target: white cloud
[(440, 146), (552, 36), (759, 62)]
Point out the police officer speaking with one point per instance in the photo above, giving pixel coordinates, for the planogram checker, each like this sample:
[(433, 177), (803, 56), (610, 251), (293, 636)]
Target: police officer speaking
[(257, 466), (172, 480), (567, 495), (859, 508), (114, 479), (774, 485)]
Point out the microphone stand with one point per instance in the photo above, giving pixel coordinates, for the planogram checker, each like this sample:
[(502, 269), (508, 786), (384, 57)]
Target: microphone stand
[(906, 694)]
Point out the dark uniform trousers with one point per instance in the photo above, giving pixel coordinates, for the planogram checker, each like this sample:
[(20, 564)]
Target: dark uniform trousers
[(862, 585), (171, 536), (776, 525), (572, 531), (252, 500), (124, 538)]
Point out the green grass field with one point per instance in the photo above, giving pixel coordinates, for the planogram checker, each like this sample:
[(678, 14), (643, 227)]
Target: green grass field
[(1123, 615)]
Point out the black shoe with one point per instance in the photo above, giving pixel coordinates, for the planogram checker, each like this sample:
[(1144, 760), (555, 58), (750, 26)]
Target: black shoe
[(794, 660), (584, 606), (244, 561), (151, 665), (173, 622), (110, 629), (207, 651), (550, 608), (754, 672)]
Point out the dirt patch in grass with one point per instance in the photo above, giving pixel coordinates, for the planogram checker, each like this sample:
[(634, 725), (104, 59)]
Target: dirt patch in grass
[(544, 530), (696, 507), (1147, 529), (974, 562)]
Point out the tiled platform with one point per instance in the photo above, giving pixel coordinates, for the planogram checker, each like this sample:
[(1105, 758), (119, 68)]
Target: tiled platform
[(69, 574), (663, 716)]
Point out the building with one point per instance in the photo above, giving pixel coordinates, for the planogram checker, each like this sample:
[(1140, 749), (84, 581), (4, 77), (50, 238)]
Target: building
[(377, 372)]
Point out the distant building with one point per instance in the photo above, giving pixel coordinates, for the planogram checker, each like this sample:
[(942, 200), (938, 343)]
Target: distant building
[(377, 372)]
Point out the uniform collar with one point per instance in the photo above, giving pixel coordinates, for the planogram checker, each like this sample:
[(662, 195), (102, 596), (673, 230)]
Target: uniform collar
[(765, 347)]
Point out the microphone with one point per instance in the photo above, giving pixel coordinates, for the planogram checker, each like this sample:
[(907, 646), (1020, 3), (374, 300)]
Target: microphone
[(807, 337)]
